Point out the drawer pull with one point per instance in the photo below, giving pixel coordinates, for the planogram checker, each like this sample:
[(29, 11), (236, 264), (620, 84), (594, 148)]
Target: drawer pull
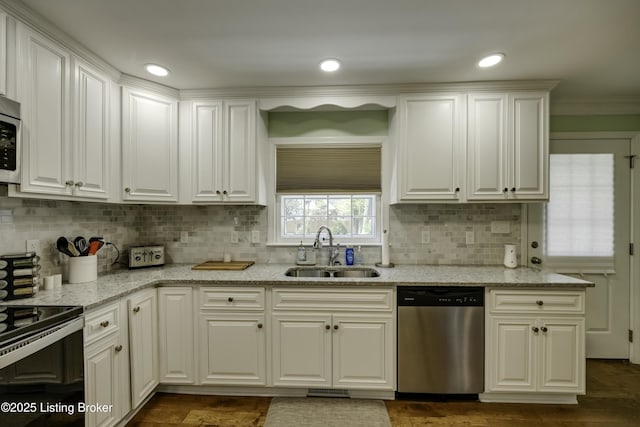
[(259, 325), (327, 327), (136, 309), (230, 299), (104, 323), (544, 329), (335, 327), (540, 302), (535, 329), (118, 348)]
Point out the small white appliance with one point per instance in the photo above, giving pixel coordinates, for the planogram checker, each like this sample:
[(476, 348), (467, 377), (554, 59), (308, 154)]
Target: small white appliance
[(9, 141)]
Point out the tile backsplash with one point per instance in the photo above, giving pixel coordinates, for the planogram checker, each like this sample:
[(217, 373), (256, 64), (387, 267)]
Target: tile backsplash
[(193, 234)]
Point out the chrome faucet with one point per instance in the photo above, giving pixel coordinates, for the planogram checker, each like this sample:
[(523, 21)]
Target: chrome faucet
[(333, 252)]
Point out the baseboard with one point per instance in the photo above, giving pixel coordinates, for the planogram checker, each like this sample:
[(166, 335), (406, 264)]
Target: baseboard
[(548, 398)]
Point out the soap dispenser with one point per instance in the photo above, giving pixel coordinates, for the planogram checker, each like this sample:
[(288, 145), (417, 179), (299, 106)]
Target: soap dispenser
[(301, 257)]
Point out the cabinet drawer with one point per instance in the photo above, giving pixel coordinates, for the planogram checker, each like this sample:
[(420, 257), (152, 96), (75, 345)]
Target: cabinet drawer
[(332, 299), (232, 298), (101, 322), (527, 301)]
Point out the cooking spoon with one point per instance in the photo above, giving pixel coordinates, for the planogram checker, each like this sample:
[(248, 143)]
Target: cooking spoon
[(65, 246)]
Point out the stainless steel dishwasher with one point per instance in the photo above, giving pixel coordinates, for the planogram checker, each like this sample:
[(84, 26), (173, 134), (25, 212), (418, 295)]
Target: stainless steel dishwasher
[(440, 340)]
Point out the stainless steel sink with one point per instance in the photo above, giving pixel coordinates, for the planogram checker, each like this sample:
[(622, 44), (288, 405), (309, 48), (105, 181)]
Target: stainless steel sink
[(330, 272)]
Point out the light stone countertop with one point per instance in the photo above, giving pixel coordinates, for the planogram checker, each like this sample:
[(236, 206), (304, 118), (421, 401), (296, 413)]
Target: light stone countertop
[(112, 286)]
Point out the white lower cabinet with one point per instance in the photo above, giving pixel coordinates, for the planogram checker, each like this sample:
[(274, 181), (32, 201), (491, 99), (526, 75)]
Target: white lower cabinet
[(175, 339), (143, 342), (106, 362), (535, 344), (232, 336), (333, 345)]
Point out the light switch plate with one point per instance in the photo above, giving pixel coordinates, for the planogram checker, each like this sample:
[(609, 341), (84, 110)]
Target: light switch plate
[(470, 238), (33, 246), (255, 236), (426, 237), (234, 237)]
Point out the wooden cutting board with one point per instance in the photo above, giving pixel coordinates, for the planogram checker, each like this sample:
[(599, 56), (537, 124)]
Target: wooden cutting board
[(220, 265)]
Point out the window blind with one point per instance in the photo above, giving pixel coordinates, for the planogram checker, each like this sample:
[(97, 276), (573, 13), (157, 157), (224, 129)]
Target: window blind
[(327, 170), (580, 216)]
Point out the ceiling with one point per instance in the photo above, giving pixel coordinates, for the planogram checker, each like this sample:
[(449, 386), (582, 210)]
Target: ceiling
[(591, 46)]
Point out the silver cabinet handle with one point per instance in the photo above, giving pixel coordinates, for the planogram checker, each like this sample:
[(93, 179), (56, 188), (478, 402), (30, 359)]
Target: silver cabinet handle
[(225, 192), (136, 309), (127, 190), (544, 329), (327, 327), (230, 299), (540, 302), (335, 327), (118, 348), (79, 184), (218, 192), (104, 324), (259, 325), (69, 183), (535, 329), (536, 260)]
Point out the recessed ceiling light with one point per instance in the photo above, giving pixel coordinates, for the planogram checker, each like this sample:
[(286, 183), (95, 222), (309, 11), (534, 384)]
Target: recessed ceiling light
[(491, 60), (156, 70), (330, 65)]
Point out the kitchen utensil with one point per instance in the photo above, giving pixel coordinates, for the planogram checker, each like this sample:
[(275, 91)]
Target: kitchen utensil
[(63, 246), (81, 245), (95, 244)]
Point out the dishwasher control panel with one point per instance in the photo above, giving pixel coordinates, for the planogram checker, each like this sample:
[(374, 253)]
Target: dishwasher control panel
[(440, 296)]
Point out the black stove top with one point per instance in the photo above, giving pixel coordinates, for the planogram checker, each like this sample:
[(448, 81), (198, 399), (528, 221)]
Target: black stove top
[(18, 321)]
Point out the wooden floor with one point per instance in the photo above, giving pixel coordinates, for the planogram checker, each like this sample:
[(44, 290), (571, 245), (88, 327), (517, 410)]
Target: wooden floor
[(612, 400)]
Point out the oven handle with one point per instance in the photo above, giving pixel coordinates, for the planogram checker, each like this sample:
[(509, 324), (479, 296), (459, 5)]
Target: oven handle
[(34, 343)]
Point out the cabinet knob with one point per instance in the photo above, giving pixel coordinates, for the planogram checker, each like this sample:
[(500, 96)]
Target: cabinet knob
[(327, 327), (540, 302), (335, 327), (230, 299), (79, 184), (136, 309), (118, 348), (513, 189), (535, 329), (127, 190), (225, 192), (69, 183), (104, 324), (259, 325), (544, 329), (457, 189), (535, 260), (218, 192), (505, 189)]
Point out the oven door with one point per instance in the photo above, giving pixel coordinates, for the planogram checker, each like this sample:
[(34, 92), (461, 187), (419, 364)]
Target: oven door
[(42, 379)]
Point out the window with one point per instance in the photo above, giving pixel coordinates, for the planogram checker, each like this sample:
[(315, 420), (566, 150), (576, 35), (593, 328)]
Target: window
[(579, 217), (335, 184), (348, 216)]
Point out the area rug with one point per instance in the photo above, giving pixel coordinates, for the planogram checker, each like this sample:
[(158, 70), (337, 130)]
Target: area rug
[(326, 412)]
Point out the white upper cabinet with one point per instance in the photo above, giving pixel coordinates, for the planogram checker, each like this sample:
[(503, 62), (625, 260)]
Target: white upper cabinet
[(91, 147), (3, 53), (149, 146), (65, 112), (43, 91), (224, 151), (507, 146), (430, 155)]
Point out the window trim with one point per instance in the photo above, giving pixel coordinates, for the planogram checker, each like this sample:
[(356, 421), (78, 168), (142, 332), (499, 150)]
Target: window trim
[(273, 200)]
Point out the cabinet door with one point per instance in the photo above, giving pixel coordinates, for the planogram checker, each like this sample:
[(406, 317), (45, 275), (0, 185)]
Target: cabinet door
[(143, 340), (529, 132), (43, 91), (207, 152), (510, 354), (3, 53), (561, 365), (363, 352), (301, 350), (240, 151), (232, 349), (487, 147), (176, 346), (91, 138), (430, 151), (149, 146), (102, 380)]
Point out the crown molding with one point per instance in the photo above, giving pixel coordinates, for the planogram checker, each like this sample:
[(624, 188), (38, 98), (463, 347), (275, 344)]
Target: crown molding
[(138, 83), (19, 11), (595, 106)]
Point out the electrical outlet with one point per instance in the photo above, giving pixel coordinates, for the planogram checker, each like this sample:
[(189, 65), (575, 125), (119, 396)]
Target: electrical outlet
[(426, 237), (33, 246), (470, 237), (234, 237), (184, 236), (255, 236)]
